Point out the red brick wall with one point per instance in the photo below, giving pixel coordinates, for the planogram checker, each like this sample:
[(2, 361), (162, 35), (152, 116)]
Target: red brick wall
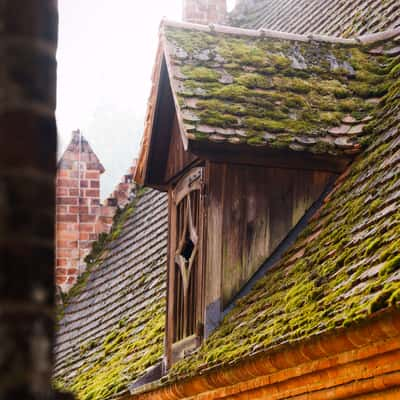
[(204, 11), (80, 217), (77, 209)]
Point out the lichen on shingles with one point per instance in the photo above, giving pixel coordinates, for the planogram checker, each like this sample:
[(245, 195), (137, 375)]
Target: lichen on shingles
[(344, 266), (113, 327), (124, 354), (239, 89)]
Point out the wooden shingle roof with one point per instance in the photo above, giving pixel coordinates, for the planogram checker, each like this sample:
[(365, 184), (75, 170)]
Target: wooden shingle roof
[(342, 269)]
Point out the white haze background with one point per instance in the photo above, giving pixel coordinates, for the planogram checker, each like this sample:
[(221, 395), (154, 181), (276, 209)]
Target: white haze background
[(105, 57)]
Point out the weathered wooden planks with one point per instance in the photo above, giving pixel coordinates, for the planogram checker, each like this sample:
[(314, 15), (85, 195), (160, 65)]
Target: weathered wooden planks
[(250, 211)]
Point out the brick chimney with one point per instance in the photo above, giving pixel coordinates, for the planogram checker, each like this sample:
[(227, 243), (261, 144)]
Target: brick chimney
[(204, 11), (78, 207)]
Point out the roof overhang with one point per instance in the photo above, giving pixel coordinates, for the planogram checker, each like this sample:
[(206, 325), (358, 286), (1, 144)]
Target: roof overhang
[(326, 148)]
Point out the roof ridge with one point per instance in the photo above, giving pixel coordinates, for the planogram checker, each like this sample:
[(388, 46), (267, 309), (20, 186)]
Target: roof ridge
[(367, 39)]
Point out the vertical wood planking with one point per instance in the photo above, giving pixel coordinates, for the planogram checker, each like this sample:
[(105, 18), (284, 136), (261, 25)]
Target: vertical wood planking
[(234, 216), (281, 184), (178, 158), (256, 233), (216, 180), (251, 210)]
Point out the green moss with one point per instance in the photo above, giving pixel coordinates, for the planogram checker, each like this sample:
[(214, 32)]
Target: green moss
[(215, 118), (126, 352), (90, 345), (279, 61), (380, 301), (334, 87), (97, 248), (299, 86), (264, 124), (294, 101), (224, 107), (253, 80), (201, 136), (256, 140), (394, 298), (389, 252), (391, 265), (190, 43), (201, 89), (353, 104), (200, 73), (298, 295), (369, 78), (324, 118), (293, 84), (298, 127), (232, 92), (366, 90), (122, 322), (241, 51), (373, 245)]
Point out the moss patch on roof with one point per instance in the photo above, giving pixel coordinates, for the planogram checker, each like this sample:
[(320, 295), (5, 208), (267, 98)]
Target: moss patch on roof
[(124, 354), (305, 96), (344, 266), (112, 328)]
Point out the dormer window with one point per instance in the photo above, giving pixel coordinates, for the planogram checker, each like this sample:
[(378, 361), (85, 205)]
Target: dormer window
[(185, 300), (264, 161)]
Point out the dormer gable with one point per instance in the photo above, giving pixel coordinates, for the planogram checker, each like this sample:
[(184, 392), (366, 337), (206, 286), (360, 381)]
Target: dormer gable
[(245, 131), (274, 98)]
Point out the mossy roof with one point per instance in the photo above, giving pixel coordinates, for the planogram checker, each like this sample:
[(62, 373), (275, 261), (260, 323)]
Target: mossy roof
[(274, 90), (344, 267), (329, 17), (112, 329)]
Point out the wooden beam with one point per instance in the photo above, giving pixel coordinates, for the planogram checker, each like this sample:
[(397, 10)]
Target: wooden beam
[(249, 155)]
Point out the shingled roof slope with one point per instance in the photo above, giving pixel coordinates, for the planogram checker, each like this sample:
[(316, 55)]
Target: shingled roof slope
[(344, 267), (112, 329), (113, 326), (273, 90), (343, 18)]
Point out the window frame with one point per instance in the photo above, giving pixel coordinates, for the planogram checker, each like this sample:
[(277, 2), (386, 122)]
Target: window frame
[(193, 180)]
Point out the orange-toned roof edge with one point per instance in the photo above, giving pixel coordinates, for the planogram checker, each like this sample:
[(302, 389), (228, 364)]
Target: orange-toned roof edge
[(364, 357)]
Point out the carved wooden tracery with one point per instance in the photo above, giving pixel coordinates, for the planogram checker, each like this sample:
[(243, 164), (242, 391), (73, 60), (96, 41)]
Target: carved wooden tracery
[(185, 285)]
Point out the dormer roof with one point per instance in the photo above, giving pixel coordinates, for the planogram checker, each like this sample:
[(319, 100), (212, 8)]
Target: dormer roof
[(272, 90)]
